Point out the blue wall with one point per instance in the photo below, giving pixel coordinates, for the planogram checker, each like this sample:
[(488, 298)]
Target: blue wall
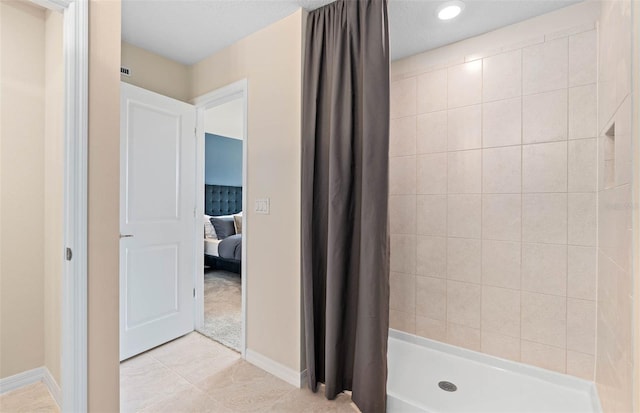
[(223, 160)]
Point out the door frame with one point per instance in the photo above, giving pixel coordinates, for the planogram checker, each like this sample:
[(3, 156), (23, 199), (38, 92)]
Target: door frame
[(73, 360), (209, 100)]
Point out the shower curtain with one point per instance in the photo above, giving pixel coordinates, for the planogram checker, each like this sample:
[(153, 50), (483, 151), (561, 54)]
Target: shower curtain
[(345, 242)]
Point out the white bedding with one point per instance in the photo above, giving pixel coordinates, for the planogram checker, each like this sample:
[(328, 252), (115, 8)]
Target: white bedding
[(211, 246)]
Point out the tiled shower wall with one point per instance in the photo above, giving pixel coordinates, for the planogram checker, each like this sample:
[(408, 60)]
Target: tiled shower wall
[(614, 362), (493, 180)]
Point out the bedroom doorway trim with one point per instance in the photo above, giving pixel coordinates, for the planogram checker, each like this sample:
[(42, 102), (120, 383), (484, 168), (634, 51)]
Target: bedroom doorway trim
[(236, 90), (74, 278)]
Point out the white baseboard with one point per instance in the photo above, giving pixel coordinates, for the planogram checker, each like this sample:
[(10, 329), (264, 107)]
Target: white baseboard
[(21, 379), (291, 376), (39, 374), (53, 386)]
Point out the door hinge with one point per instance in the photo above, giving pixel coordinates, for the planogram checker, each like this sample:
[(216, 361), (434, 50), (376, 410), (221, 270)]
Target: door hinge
[(194, 212), (195, 133), (194, 293), (68, 254)]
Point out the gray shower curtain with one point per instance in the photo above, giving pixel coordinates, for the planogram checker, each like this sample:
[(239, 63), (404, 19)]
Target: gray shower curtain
[(345, 242)]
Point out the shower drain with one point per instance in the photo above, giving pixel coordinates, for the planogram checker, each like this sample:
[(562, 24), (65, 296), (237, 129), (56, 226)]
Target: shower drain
[(447, 386)]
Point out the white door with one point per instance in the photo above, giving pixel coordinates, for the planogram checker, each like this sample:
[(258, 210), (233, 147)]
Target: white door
[(157, 207)]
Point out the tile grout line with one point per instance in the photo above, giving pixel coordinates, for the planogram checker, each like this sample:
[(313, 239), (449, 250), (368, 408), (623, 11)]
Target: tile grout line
[(521, 192), (446, 219), (482, 109), (568, 112)]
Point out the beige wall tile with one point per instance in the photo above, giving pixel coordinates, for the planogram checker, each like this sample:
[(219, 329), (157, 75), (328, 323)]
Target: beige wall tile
[(463, 303), (611, 225), (502, 123), (582, 165), (580, 365), (432, 215), (501, 264), (614, 234), (582, 219), (502, 76), (431, 301), (402, 321), (432, 174), (402, 136), (544, 167), (464, 257), (544, 319), (501, 217), (581, 271), (505, 152), (463, 336), (544, 218), (501, 311), (432, 91), (464, 128), (544, 117), (432, 256), (623, 145), (464, 172), (581, 325), (464, 216), (433, 329), (402, 292), (403, 253), (544, 268), (432, 132), (545, 66), (403, 98), (402, 214), (583, 114), (402, 175), (502, 170), (583, 51), (465, 84), (500, 345), (541, 355)]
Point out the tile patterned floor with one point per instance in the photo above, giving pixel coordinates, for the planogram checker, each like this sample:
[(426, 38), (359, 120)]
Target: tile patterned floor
[(28, 399), (192, 374), (196, 374)]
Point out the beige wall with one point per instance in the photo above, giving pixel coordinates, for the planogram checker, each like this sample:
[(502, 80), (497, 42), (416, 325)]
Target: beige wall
[(636, 211), (104, 194), (614, 359), (22, 76), (32, 188), (271, 61), (156, 73), (493, 192), (53, 191)]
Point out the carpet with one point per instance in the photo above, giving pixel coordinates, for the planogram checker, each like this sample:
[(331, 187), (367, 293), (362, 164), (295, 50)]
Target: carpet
[(222, 307)]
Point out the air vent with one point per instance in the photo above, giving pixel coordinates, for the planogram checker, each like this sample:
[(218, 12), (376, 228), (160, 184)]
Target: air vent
[(125, 71)]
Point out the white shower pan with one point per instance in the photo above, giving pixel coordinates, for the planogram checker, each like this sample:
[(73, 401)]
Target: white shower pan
[(484, 383)]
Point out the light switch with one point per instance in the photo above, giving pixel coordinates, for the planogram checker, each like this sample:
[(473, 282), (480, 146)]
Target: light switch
[(262, 206)]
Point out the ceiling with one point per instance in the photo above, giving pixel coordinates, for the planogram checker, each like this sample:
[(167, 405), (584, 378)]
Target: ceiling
[(187, 31)]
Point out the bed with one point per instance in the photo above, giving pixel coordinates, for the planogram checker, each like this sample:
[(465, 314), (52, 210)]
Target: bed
[(223, 203)]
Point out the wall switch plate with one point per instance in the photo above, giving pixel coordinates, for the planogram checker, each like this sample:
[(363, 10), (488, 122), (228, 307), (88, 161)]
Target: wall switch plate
[(262, 206)]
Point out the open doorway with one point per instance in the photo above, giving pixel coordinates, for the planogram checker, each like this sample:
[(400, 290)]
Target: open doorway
[(220, 308)]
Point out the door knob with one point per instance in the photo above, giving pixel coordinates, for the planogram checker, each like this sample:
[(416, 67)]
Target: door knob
[(126, 235)]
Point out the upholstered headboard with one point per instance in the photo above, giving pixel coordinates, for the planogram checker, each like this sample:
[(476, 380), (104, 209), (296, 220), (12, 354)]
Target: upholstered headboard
[(222, 200)]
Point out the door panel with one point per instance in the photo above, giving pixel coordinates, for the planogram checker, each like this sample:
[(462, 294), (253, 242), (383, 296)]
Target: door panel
[(153, 187), (145, 266), (157, 203)]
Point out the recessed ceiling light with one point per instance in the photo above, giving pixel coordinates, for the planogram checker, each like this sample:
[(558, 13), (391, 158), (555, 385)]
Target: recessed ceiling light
[(450, 10)]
